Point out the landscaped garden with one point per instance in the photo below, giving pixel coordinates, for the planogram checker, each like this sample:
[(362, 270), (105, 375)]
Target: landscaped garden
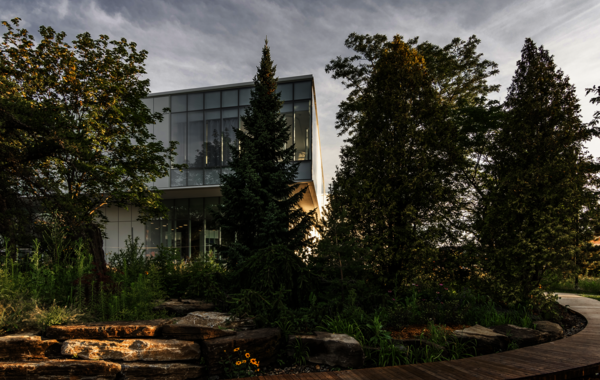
[(450, 219)]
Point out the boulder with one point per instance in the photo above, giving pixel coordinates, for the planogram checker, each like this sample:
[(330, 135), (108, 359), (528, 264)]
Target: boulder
[(24, 346), (193, 332), (336, 350), (522, 336), (215, 319), (488, 341), (261, 344), (183, 307), (162, 371), (106, 330), (554, 330), (132, 349), (60, 370)]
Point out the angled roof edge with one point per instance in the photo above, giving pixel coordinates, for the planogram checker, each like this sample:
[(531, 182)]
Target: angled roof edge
[(226, 86)]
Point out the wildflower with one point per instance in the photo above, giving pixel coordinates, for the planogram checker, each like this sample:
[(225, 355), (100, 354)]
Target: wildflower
[(238, 362), (441, 284), (146, 273), (243, 361), (253, 361), (258, 370), (393, 299), (236, 349), (247, 355)]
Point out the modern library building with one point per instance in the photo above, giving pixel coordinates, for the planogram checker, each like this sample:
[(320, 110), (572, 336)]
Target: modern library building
[(202, 121)]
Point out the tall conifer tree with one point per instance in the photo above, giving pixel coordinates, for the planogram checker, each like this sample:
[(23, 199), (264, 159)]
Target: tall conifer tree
[(540, 175), (260, 206)]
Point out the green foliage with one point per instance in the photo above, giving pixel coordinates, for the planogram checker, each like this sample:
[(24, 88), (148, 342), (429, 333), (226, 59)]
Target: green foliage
[(260, 198), (301, 352), (541, 207), (73, 134)]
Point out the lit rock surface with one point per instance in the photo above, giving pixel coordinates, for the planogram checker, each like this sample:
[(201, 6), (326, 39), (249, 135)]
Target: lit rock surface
[(24, 346), (132, 349), (106, 330), (261, 344), (336, 350), (193, 332), (215, 319), (522, 336), (183, 307), (163, 371), (488, 341), (59, 370), (553, 329)]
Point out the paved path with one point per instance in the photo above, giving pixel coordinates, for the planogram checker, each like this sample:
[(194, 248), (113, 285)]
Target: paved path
[(575, 357)]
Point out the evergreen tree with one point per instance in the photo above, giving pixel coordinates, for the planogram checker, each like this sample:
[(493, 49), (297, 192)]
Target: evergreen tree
[(536, 216), (260, 208), (395, 197)]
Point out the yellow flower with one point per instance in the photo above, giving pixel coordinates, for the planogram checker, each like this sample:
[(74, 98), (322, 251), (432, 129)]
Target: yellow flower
[(238, 362), (243, 361), (236, 349), (258, 370), (253, 361), (247, 355)]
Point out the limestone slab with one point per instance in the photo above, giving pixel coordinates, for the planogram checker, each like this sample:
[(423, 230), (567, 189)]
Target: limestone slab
[(132, 349), (65, 369), (193, 332), (336, 350), (24, 347), (553, 329), (185, 306), (215, 319), (107, 330), (488, 341), (522, 336)]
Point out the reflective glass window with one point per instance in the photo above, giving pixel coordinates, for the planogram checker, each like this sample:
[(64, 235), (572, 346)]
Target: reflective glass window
[(230, 98), (195, 177), (242, 113), (213, 100), (178, 178), (160, 103), (286, 91), (211, 233), (195, 102), (288, 112), (195, 140), (245, 96), (197, 227), (213, 138), (211, 176), (230, 123), (303, 90), (179, 103), (178, 132), (149, 102), (302, 130)]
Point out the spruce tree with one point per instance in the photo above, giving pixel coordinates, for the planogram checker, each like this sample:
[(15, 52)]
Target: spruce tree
[(260, 210), (539, 195)]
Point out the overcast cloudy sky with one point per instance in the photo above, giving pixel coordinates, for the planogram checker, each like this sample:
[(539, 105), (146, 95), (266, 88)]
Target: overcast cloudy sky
[(204, 43)]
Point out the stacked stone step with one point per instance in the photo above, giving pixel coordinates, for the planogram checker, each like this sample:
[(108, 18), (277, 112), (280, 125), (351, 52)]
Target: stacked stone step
[(157, 349)]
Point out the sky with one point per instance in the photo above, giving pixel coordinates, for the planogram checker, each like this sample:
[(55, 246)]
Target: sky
[(194, 44)]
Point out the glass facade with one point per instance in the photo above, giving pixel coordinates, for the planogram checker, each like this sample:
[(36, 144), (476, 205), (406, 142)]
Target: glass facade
[(189, 228), (203, 124)]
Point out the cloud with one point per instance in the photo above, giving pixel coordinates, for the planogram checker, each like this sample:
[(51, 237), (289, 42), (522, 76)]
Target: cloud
[(205, 43)]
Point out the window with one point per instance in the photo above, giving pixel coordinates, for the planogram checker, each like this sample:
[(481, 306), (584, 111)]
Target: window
[(230, 124), (302, 130)]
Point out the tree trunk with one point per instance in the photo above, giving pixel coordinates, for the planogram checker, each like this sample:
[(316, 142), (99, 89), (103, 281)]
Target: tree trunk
[(95, 243)]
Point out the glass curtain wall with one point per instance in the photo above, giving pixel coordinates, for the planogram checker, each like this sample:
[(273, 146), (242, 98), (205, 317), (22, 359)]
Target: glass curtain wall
[(189, 228), (204, 125)]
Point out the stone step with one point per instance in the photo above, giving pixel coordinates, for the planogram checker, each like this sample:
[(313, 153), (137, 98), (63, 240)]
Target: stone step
[(157, 350), (59, 370), (193, 332), (184, 306), (25, 346), (106, 330)]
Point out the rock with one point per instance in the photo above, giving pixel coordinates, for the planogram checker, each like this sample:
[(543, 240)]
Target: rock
[(553, 329), (336, 350), (163, 371), (260, 344), (215, 319), (106, 330), (24, 346), (60, 370), (183, 307), (488, 341), (522, 336), (193, 332), (132, 349)]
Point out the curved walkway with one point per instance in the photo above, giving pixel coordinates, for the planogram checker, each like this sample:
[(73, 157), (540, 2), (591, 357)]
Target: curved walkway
[(575, 357)]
